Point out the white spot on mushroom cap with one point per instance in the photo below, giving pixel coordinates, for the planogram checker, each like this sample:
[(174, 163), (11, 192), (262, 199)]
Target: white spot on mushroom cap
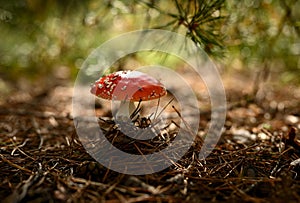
[(112, 87), (130, 74), (124, 88)]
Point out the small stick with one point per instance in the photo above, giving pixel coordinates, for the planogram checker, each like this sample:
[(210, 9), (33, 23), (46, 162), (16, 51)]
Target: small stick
[(15, 165), (157, 108), (164, 108), (137, 110)]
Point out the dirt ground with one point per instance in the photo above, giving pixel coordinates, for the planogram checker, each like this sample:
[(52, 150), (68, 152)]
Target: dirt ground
[(257, 158)]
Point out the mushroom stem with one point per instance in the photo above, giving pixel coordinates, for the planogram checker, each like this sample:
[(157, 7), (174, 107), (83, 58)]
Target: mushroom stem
[(126, 109)]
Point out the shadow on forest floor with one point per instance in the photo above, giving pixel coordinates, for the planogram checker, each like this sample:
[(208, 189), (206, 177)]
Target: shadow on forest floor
[(256, 159)]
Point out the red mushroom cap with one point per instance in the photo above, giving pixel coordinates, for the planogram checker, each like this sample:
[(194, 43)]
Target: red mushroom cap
[(129, 86)]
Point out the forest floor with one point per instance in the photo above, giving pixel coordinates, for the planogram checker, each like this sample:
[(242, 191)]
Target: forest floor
[(257, 158)]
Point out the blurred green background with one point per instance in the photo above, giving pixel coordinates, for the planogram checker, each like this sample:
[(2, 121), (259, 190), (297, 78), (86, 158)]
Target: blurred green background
[(52, 38)]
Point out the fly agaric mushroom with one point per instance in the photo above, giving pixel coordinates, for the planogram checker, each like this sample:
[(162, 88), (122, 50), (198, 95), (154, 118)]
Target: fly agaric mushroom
[(128, 87)]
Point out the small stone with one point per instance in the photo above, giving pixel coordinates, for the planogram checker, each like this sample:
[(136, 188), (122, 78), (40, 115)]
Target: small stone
[(263, 136), (243, 135), (291, 119)]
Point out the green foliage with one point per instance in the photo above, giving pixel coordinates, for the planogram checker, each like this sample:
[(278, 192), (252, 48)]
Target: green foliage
[(37, 37), (264, 34), (200, 20)]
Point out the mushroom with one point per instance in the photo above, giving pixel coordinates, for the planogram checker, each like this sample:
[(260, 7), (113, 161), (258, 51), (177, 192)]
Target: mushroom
[(128, 87)]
